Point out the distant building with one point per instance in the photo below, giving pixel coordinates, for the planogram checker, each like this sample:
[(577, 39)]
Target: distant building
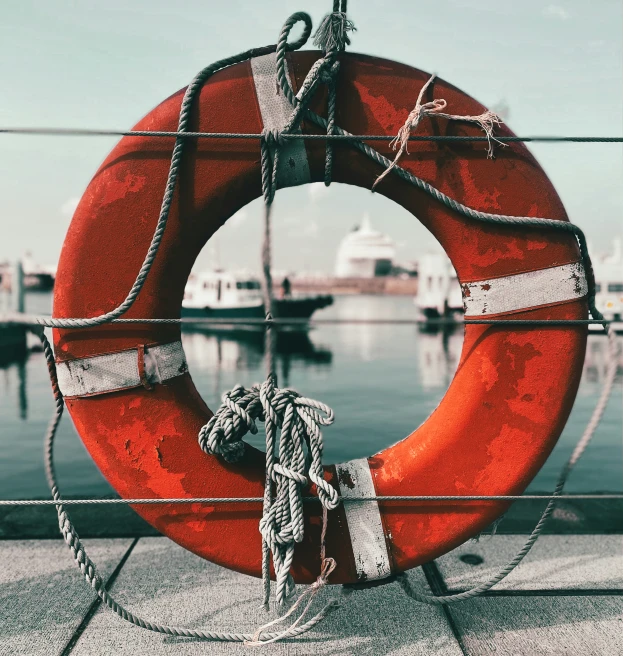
[(365, 253)]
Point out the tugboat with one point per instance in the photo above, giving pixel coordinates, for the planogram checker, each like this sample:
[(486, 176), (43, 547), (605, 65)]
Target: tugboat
[(224, 295)]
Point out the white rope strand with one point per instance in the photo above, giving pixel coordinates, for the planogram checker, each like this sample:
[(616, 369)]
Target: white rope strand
[(486, 121)]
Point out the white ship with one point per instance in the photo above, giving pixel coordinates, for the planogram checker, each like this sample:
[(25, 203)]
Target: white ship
[(609, 286), (365, 253), (439, 291)]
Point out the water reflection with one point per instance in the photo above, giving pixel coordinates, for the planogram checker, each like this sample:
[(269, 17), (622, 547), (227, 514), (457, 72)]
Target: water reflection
[(596, 360), (438, 355), (381, 381), (13, 376), (244, 350)]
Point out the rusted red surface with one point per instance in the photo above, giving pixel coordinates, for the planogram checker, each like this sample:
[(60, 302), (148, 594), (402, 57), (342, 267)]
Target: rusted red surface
[(504, 410)]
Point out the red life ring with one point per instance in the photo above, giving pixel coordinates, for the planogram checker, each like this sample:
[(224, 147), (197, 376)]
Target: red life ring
[(501, 416)]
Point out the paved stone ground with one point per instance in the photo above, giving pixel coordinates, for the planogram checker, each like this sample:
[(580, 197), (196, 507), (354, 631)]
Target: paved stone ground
[(567, 598)]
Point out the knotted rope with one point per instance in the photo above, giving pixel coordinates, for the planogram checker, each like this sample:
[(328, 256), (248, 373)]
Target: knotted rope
[(487, 121), (294, 446), (298, 419)]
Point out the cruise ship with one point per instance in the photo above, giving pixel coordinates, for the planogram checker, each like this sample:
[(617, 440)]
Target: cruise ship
[(365, 253)]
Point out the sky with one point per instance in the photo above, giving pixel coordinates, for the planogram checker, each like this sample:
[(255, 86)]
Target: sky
[(557, 66)]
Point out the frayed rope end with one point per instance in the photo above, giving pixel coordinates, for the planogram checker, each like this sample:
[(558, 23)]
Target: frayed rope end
[(332, 33), (486, 121)]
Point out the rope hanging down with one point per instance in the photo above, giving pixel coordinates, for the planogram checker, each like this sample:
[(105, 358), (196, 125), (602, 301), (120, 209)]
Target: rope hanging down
[(298, 419), (324, 71)]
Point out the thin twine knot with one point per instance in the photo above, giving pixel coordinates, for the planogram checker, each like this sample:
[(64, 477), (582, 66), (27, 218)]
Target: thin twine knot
[(487, 121), (326, 569)]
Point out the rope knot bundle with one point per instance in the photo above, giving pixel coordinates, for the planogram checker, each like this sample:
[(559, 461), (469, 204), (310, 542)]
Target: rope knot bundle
[(291, 464), (222, 435)]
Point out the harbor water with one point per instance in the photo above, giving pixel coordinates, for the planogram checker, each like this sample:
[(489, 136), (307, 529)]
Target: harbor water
[(381, 380)]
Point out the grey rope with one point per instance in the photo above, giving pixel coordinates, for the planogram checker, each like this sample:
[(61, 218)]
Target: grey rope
[(297, 419), (184, 119), (67, 529), (500, 219), (503, 220), (332, 37), (43, 321), (287, 467)]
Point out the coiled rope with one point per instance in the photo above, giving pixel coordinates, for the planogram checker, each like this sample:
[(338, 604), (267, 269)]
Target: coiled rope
[(298, 420), (294, 412)]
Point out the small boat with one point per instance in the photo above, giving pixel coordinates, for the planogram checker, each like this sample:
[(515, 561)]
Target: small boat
[(224, 296), (439, 293), (609, 287)]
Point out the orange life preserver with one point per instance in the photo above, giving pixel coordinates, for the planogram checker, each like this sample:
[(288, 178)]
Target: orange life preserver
[(134, 403)]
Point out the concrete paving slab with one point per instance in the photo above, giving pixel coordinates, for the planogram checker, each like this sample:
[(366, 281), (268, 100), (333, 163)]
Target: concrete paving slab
[(540, 626), (43, 597), (589, 562), (166, 584)]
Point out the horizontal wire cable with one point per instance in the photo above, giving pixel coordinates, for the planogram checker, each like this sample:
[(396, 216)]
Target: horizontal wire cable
[(429, 497), (87, 132), (40, 320)]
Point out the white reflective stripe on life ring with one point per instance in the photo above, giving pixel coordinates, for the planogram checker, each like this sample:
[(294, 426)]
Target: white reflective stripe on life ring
[(117, 371), (293, 167), (365, 525), (524, 290)]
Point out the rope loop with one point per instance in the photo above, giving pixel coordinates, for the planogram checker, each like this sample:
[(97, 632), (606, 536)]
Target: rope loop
[(223, 434)]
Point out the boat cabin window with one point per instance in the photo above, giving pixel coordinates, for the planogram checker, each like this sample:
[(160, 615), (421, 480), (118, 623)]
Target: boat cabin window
[(597, 287), (615, 287), (249, 284)]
